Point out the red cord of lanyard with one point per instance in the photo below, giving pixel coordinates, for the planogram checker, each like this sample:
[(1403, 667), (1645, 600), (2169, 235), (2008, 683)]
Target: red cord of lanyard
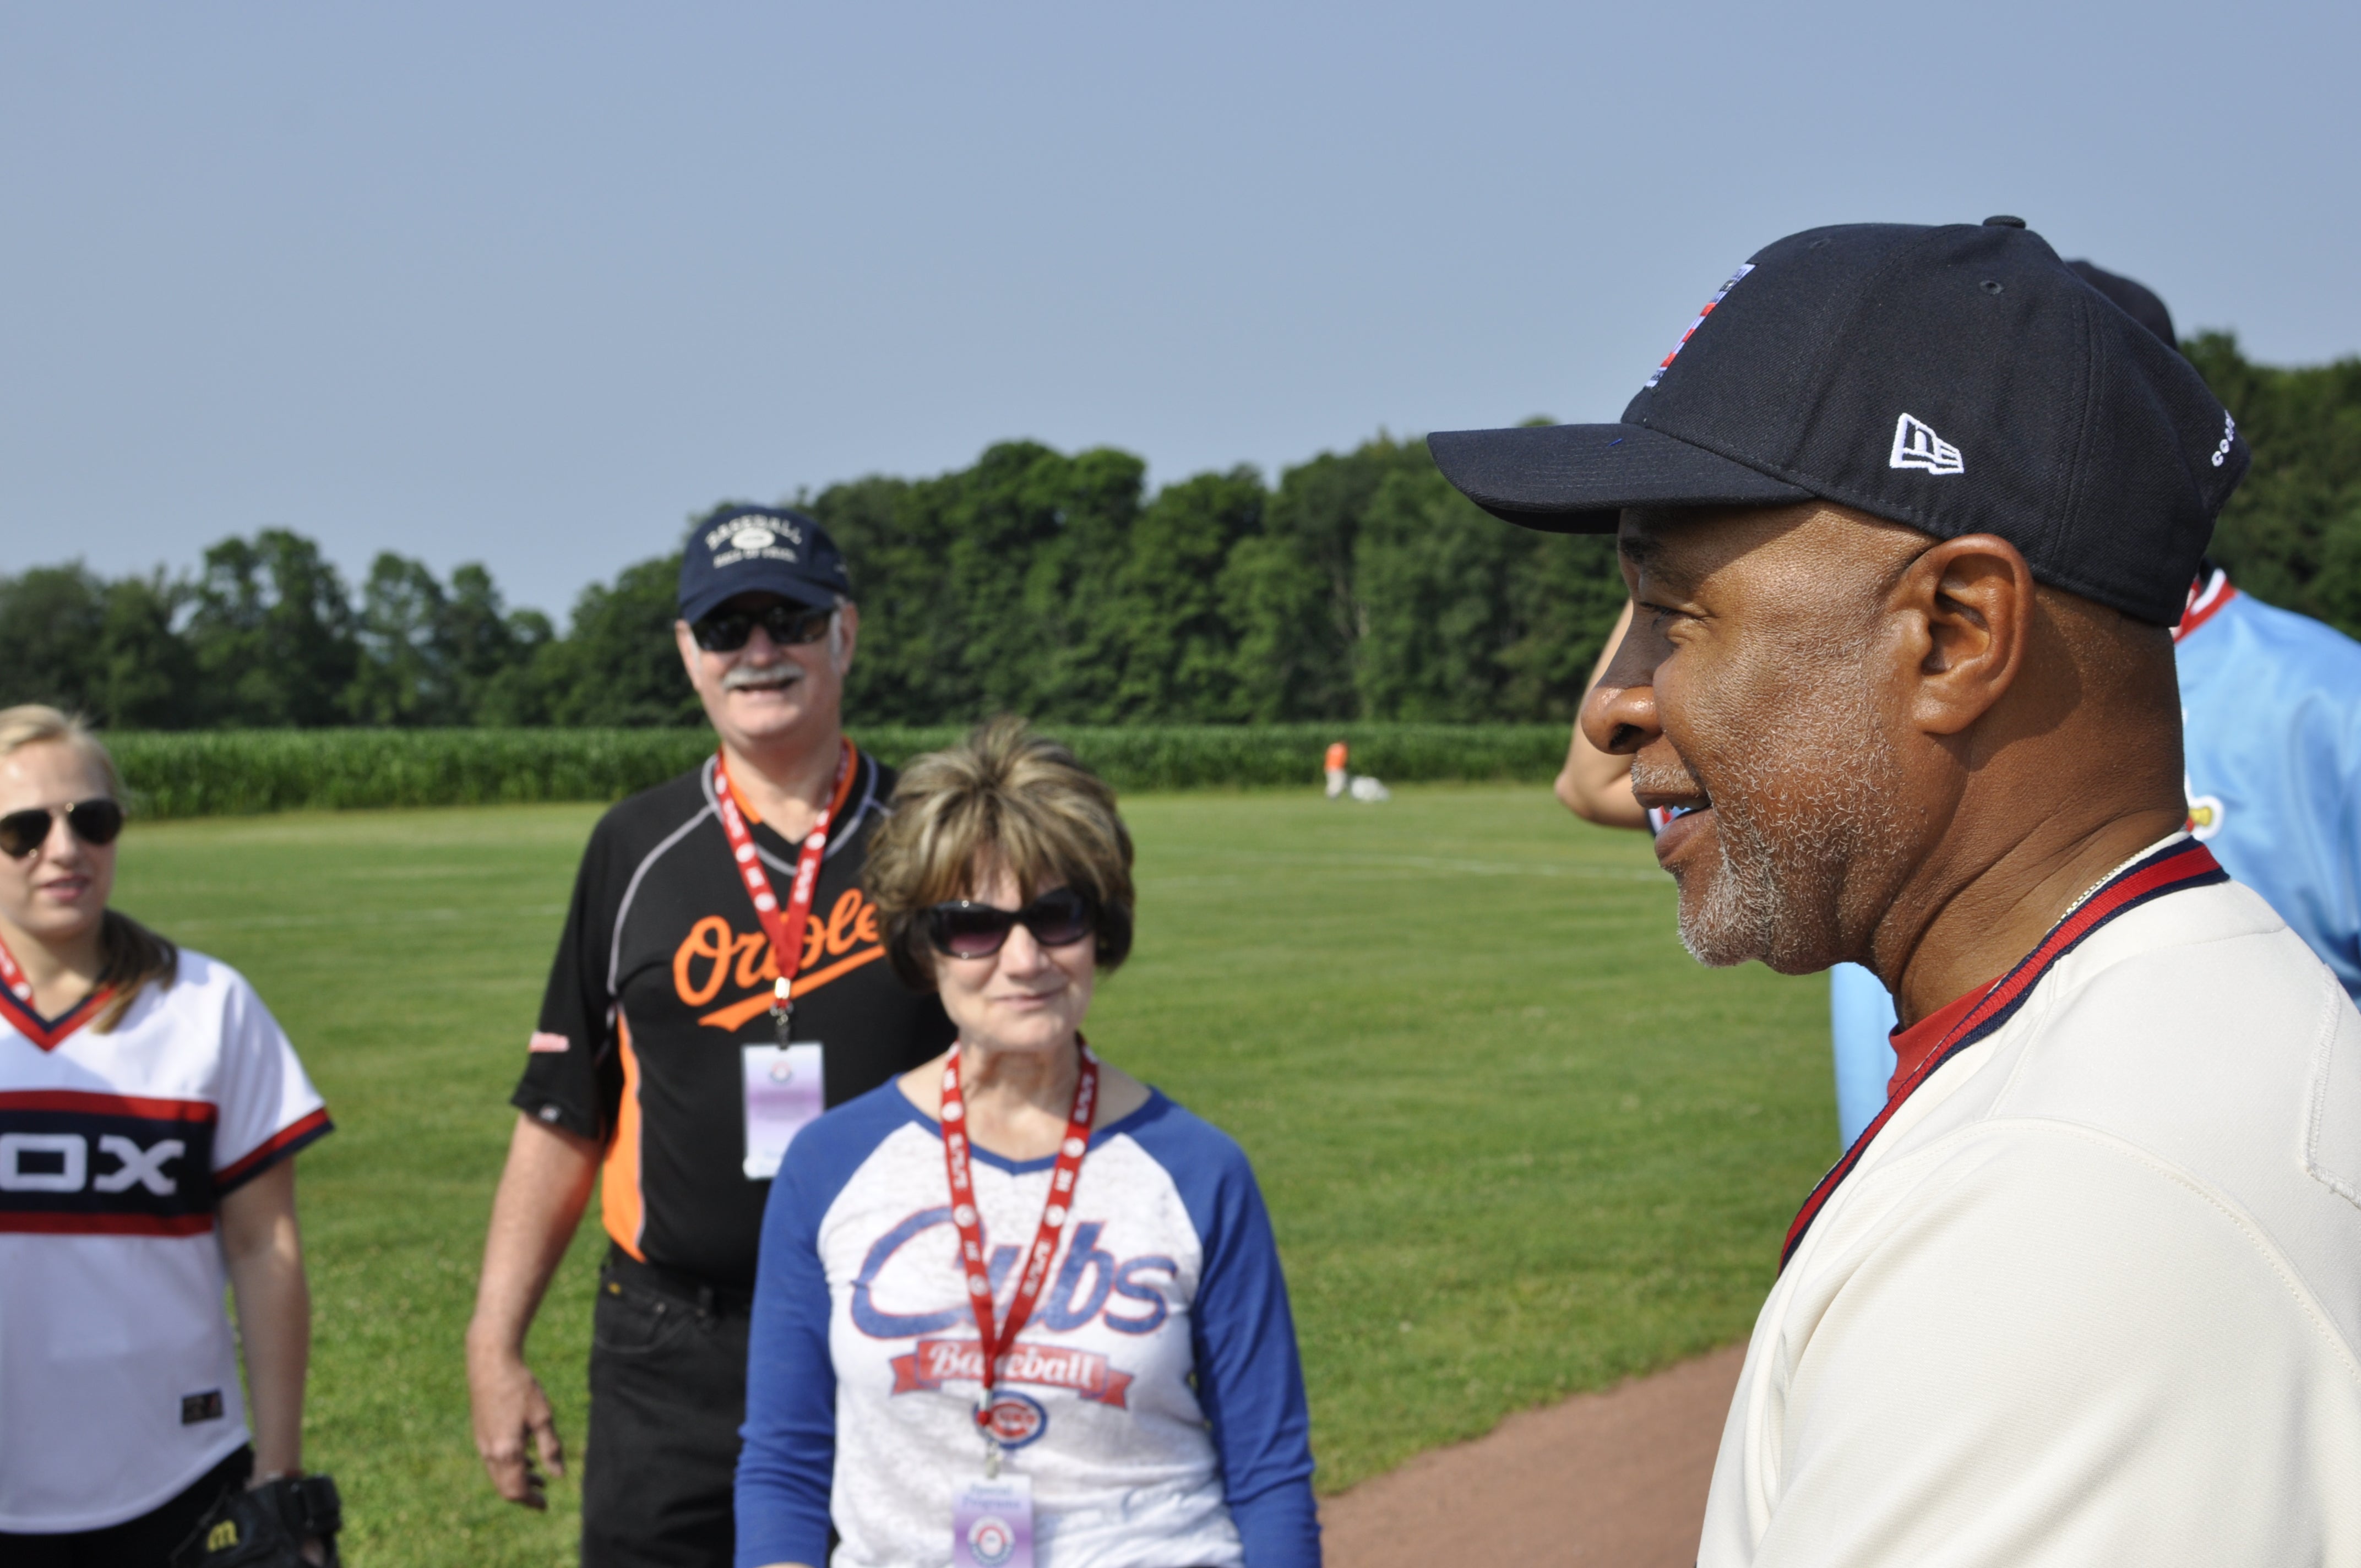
[(1056, 1210), (14, 978), (784, 929)]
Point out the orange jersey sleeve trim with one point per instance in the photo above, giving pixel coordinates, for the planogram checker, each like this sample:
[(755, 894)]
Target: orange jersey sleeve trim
[(619, 1203)]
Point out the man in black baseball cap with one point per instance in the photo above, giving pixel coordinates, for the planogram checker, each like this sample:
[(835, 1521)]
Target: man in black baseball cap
[(1907, 515), (717, 984)]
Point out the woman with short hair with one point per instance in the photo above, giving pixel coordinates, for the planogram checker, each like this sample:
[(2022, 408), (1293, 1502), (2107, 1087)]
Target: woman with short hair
[(150, 1109), (1017, 1301)]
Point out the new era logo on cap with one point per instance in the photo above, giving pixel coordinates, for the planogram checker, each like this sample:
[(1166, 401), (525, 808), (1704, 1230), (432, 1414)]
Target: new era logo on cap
[(1915, 445)]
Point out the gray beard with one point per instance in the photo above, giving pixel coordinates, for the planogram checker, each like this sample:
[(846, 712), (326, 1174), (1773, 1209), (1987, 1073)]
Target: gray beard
[(1780, 898)]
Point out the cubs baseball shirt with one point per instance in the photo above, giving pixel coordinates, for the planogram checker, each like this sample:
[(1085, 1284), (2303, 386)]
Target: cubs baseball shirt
[(1156, 1399)]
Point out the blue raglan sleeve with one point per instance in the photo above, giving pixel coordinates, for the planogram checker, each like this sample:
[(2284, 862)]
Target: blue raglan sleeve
[(1249, 1375), (786, 1464)]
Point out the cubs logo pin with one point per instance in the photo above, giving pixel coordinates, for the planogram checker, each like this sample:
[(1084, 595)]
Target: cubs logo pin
[(1016, 1420)]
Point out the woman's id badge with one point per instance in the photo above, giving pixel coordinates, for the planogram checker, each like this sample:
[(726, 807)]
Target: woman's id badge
[(992, 1524), (782, 1097)]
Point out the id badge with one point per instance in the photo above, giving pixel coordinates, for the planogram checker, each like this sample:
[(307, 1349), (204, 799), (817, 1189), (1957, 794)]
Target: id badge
[(992, 1524), (782, 1097)]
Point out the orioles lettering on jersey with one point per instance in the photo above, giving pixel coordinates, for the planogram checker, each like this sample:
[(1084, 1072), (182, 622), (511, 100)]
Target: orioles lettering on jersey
[(717, 956)]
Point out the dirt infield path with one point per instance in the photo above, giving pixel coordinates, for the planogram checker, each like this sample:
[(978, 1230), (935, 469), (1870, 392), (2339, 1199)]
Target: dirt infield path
[(1616, 1477)]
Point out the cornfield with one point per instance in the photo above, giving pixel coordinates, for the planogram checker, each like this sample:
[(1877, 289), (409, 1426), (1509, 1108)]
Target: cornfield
[(241, 772)]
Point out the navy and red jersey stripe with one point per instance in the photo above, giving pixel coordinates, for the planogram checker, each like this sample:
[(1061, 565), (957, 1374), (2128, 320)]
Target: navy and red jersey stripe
[(2173, 869), (296, 1134)]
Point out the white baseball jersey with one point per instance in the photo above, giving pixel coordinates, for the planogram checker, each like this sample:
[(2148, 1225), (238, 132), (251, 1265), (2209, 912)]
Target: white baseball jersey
[(2092, 1293), (118, 1372)]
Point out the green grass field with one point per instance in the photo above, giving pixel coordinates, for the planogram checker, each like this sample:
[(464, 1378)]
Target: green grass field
[(1516, 1143)]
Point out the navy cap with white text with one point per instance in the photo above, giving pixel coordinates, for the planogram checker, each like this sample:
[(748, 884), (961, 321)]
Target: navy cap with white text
[(761, 550), (1955, 380)]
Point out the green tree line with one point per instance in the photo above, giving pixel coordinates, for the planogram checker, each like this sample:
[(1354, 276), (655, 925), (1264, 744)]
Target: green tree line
[(1359, 586)]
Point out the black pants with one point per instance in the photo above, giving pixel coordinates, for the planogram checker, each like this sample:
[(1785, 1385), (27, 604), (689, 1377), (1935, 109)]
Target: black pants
[(667, 1396), (147, 1542)]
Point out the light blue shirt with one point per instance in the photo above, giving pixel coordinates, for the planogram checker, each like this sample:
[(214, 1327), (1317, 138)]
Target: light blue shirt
[(2270, 707)]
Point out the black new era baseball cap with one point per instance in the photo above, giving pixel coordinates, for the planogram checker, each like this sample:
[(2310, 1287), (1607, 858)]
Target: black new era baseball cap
[(1957, 380), (761, 549)]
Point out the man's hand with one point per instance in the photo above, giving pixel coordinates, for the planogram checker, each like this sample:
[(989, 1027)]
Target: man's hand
[(513, 1424), (1596, 785), (543, 1192)]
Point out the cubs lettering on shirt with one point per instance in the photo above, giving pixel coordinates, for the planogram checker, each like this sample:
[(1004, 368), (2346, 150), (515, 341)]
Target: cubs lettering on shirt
[(1155, 1399), (118, 1371), (663, 973)]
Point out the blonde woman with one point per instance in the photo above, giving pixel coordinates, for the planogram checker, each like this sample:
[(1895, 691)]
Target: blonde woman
[(1017, 1308), (150, 1113)]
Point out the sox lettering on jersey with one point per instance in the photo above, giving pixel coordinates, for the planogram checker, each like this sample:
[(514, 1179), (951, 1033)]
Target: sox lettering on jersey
[(2169, 870), (1057, 1209), (786, 930)]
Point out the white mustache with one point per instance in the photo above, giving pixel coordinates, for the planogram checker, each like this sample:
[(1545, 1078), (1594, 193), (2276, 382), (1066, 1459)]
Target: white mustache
[(739, 677)]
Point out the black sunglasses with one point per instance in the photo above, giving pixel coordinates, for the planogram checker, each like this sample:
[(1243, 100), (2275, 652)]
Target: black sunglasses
[(963, 928), (726, 631), (92, 821)]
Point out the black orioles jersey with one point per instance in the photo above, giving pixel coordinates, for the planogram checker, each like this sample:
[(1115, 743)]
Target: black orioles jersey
[(664, 974)]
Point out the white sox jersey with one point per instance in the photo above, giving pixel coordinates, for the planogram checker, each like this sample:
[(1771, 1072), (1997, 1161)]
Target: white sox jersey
[(1154, 1398), (2091, 1293), (118, 1372)]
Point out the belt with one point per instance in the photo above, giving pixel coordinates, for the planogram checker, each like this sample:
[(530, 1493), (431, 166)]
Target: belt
[(722, 1301)]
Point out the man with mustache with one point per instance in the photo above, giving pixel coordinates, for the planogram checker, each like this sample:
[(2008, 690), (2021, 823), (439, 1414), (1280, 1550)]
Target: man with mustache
[(1907, 516), (717, 986)]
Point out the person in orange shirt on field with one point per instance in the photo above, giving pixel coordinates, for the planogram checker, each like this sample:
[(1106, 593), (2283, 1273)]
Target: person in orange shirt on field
[(1336, 779)]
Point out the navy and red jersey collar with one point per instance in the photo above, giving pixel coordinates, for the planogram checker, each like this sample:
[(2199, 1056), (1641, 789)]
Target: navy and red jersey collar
[(2176, 865), (1914, 1045), (49, 1033)]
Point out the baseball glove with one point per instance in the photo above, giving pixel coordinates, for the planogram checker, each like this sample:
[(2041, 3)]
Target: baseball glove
[(268, 1527)]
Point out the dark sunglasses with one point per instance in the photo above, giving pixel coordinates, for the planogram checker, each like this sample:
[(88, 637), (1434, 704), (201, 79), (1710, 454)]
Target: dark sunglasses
[(726, 631), (963, 928), (92, 821)]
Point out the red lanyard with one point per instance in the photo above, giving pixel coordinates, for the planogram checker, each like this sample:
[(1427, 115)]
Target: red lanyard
[(1055, 1212), (785, 931), (12, 978)]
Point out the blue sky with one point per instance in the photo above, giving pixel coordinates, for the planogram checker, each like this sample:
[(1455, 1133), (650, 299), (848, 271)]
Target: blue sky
[(528, 284)]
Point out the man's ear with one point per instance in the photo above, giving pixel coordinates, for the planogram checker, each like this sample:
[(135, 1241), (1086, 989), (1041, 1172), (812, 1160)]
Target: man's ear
[(843, 632), (686, 640), (1968, 606)]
